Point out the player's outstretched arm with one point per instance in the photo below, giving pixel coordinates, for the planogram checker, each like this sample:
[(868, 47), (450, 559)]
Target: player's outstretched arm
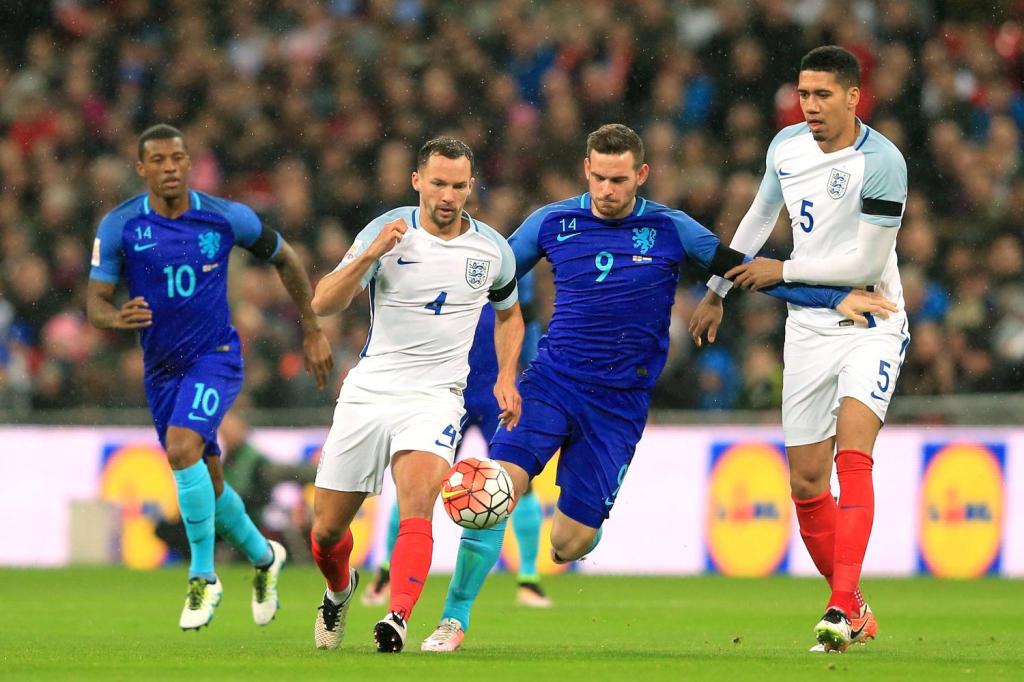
[(334, 293), (509, 330), (706, 318), (858, 302), (103, 314), (862, 267), (316, 349)]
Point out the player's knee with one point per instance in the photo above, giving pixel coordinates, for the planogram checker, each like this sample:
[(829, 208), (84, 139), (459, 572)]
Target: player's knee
[(807, 484), (566, 547), (182, 455), (326, 534)]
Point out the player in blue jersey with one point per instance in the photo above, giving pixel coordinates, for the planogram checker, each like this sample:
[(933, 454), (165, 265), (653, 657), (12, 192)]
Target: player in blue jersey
[(170, 246), (482, 411), (616, 260)]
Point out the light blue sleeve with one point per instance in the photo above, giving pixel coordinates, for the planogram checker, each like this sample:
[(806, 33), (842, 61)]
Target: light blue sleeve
[(771, 188), (525, 241), (504, 293), (107, 252), (885, 182), (365, 238), (247, 226)]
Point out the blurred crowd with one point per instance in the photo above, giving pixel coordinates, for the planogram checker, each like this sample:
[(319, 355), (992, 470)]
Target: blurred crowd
[(311, 111)]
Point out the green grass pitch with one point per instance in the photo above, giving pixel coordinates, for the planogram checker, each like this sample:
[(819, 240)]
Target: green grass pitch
[(115, 624)]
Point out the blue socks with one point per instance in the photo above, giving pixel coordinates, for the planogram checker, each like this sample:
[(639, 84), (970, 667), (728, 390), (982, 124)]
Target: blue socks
[(234, 525), (526, 522), (478, 552), (196, 501)]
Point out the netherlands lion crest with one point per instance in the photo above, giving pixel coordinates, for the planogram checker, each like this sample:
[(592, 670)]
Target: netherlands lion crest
[(837, 183), (643, 238), (209, 243), (476, 272)]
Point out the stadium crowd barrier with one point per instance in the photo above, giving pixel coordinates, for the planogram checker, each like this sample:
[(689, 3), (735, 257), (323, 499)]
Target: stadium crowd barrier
[(696, 499)]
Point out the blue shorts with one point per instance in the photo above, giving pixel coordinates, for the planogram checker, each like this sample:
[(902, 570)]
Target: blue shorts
[(481, 410), (595, 428), (197, 398)]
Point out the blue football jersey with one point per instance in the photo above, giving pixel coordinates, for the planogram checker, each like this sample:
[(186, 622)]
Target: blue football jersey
[(615, 282), (483, 359), (180, 266)]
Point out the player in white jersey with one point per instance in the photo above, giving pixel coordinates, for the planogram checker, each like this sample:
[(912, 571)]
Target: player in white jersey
[(844, 186), (430, 270)]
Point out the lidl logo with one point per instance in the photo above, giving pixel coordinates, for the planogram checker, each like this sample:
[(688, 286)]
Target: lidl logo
[(748, 510), (961, 509), (137, 478)]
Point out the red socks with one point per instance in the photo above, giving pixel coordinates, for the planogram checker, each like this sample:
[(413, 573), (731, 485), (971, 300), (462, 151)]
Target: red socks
[(410, 563), (333, 561), (817, 519), (854, 517)]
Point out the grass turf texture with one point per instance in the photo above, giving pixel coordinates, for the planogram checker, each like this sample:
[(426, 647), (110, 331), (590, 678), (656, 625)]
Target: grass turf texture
[(115, 624)]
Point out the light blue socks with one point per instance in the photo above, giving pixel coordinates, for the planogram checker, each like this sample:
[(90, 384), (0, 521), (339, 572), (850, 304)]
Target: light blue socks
[(478, 552), (196, 501), (526, 522), (393, 523), (234, 525)]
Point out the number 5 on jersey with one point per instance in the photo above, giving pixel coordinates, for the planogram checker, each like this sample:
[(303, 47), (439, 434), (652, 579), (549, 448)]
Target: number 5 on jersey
[(806, 219)]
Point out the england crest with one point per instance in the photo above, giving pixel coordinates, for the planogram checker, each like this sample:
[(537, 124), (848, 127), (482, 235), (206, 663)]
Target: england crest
[(476, 272), (837, 183)]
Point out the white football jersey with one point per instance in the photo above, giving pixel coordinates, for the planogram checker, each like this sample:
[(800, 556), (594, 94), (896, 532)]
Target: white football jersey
[(425, 300), (827, 194)]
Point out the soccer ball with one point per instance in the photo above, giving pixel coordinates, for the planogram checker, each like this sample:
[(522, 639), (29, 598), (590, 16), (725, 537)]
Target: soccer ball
[(477, 493)]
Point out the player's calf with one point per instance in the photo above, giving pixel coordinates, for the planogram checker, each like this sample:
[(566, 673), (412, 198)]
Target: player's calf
[(571, 540)]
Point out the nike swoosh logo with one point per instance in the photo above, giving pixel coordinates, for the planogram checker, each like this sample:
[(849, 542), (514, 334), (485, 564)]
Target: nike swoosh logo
[(854, 634), (407, 262), (202, 520), (853, 506), (143, 247), (415, 580), (562, 237), (193, 417), (783, 173), (608, 502), (449, 494)]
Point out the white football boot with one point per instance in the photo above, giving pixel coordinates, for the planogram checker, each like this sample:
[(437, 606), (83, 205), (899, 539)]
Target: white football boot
[(389, 633), (833, 631), (203, 597), (447, 637), (265, 601), (329, 628)]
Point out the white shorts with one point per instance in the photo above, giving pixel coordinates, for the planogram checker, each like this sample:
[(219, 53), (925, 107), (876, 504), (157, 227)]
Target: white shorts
[(370, 427), (821, 369)]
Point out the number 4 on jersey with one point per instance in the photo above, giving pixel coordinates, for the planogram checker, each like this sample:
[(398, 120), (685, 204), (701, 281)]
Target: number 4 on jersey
[(436, 304)]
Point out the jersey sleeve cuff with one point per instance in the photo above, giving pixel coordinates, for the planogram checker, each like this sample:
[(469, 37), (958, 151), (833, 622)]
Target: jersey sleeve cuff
[(719, 285)]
